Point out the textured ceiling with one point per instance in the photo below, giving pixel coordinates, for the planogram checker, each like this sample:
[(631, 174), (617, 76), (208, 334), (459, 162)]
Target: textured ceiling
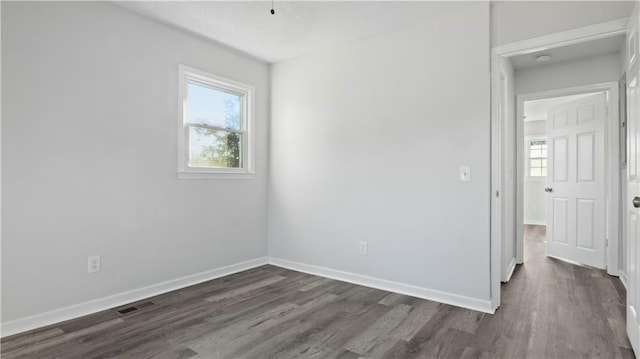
[(297, 28)]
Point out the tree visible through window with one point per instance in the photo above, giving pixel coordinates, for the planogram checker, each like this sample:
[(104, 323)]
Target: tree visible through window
[(537, 158), (215, 132), (214, 117)]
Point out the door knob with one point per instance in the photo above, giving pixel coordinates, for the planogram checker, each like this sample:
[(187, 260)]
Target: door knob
[(636, 202), (549, 189)]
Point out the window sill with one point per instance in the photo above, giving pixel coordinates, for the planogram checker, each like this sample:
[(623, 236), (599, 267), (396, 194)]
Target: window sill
[(206, 175)]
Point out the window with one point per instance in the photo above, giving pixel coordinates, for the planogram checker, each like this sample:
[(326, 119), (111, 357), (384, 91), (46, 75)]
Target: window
[(537, 153), (215, 137)]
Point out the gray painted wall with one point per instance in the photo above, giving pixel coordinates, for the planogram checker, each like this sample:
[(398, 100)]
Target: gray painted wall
[(519, 20), (593, 70), (366, 143), (535, 201), (89, 110)]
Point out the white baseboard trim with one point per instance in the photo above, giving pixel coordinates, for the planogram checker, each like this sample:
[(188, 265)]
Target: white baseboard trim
[(623, 278), (535, 223), (116, 300), (391, 286), (510, 269)]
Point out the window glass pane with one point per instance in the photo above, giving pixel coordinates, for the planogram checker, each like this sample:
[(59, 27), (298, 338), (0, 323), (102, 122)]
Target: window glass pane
[(214, 148), (535, 172), (535, 154), (208, 106), (536, 163), (544, 162), (544, 171), (543, 153)]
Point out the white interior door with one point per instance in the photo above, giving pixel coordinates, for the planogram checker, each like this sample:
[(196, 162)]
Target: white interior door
[(576, 181), (632, 202)]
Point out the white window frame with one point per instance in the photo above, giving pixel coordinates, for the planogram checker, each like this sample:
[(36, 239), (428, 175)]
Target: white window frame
[(187, 74), (527, 152)]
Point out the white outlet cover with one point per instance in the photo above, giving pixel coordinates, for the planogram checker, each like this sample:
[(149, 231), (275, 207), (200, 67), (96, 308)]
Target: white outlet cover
[(94, 264), (363, 248)]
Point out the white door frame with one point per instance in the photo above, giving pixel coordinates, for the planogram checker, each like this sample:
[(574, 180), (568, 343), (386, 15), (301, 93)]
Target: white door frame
[(612, 165), (575, 36)]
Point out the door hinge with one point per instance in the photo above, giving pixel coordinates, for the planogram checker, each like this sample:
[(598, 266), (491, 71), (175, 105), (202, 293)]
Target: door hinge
[(497, 194)]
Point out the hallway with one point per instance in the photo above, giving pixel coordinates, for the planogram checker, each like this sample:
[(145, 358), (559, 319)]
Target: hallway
[(557, 309)]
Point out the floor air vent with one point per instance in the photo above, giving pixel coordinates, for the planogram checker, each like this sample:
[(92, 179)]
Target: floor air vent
[(127, 310), (133, 308)]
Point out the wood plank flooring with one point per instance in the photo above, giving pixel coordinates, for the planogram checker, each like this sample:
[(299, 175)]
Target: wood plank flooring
[(550, 309)]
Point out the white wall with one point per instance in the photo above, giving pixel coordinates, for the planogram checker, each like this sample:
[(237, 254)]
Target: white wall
[(89, 113), (535, 205), (536, 127), (366, 143), (508, 248), (589, 71), (519, 20)]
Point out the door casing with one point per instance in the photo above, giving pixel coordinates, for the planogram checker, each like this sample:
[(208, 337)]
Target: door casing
[(574, 36)]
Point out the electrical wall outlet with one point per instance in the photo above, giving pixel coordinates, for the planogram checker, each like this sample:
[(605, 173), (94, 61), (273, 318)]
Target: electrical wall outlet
[(94, 264), (363, 248)]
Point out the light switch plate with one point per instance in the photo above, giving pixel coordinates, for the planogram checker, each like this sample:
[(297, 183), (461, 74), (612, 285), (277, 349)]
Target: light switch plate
[(465, 174)]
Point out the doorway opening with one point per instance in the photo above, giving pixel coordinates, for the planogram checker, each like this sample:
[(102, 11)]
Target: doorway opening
[(564, 177), (509, 95)]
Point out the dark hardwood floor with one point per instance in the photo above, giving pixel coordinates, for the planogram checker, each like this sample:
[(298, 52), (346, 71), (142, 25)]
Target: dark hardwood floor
[(550, 309)]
